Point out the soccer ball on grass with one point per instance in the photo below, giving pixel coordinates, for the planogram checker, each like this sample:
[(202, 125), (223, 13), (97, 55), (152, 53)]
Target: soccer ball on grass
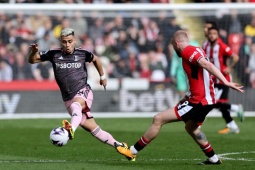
[(59, 136)]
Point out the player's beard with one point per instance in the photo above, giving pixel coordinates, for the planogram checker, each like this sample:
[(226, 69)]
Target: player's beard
[(178, 53), (212, 41), (69, 51)]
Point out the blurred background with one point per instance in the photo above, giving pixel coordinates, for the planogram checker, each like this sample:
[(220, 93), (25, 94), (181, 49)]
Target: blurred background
[(132, 39)]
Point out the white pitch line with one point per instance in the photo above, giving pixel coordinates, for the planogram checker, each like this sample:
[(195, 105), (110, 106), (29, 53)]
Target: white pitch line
[(32, 161), (222, 156)]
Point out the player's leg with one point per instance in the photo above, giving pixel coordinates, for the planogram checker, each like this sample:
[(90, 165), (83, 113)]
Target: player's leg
[(200, 138), (193, 119), (158, 121), (237, 108), (222, 95), (89, 124), (75, 110), (80, 102), (231, 126)]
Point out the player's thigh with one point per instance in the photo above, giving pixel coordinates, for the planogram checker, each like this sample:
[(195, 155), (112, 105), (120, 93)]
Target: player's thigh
[(89, 125), (166, 116), (81, 101)]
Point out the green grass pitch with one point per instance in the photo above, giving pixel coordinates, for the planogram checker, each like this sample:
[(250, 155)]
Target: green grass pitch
[(24, 144)]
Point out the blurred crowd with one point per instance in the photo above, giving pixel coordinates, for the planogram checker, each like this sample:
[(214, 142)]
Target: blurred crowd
[(224, 1), (136, 46)]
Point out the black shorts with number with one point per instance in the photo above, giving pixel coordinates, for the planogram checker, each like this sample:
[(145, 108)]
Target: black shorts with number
[(190, 111), (221, 92)]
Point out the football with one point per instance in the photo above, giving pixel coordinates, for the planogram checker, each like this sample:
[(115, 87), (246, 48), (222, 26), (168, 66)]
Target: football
[(59, 136)]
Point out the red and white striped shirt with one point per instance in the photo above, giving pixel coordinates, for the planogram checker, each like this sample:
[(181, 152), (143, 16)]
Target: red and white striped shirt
[(201, 88), (218, 55)]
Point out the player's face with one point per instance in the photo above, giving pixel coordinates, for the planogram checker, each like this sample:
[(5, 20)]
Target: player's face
[(68, 43), (206, 27), (213, 35), (176, 48)]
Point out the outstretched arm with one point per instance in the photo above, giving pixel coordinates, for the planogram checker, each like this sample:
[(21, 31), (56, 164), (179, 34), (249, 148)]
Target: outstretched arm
[(97, 63), (214, 71), (34, 56)]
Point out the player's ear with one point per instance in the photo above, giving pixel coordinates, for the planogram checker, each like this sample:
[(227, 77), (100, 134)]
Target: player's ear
[(74, 40)]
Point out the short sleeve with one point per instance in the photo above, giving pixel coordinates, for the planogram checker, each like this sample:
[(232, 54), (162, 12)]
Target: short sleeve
[(46, 55), (89, 56), (193, 54), (227, 51)]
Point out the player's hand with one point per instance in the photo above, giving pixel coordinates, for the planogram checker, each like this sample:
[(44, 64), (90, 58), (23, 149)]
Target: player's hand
[(236, 87), (104, 83), (34, 48)]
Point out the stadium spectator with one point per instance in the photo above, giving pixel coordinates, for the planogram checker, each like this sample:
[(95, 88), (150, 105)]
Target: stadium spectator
[(96, 31), (121, 69), (133, 37), (13, 38), (122, 45), (45, 27), (6, 73), (65, 23), (144, 60), (88, 44), (158, 65), (79, 23), (110, 50), (21, 69), (133, 63), (241, 66), (251, 65), (43, 71), (45, 42), (249, 29), (151, 31)]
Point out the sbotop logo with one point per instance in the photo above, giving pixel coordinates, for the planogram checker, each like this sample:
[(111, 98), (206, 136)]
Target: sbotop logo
[(68, 65)]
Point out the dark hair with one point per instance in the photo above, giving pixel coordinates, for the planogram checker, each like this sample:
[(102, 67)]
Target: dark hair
[(213, 23), (213, 28)]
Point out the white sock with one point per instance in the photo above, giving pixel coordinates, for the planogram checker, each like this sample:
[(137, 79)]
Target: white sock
[(234, 107), (214, 158), (133, 150), (232, 125)]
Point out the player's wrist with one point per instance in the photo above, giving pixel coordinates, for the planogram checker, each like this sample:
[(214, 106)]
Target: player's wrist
[(102, 77)]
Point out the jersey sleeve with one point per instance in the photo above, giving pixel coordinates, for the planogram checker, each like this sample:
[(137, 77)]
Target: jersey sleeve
[(46, 55), (193, 54), (227, 51), (89, 56)]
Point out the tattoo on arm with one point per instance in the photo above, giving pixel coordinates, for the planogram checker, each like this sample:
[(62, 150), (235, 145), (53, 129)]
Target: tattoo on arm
[(201, 136)]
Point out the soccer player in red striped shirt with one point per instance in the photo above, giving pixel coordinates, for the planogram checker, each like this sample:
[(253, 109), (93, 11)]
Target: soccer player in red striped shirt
[(220, 54), (194, 107)]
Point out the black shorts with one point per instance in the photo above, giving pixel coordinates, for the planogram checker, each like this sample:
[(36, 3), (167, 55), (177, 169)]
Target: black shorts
[(221, 93), (190, 111)]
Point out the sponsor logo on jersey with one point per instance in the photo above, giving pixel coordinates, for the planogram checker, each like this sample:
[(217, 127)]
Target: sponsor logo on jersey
[(61, 57), (192, 56), (76, 58), (42, 52), (68, 65)]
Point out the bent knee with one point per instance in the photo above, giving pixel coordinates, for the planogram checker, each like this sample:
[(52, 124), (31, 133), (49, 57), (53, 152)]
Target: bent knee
[(157, 119), (191, 127)]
